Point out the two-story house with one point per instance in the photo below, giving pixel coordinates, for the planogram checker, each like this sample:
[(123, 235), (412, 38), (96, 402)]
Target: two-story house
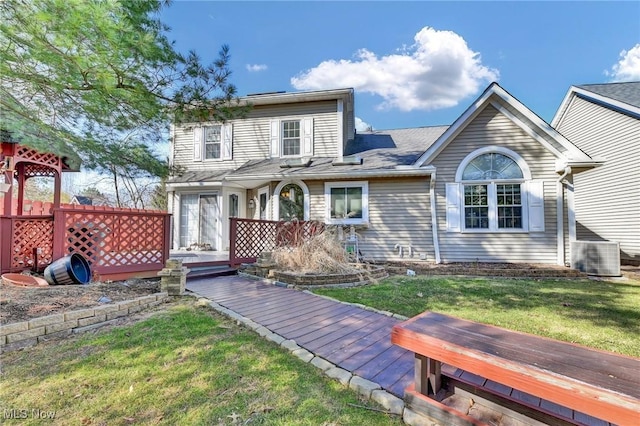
[(490, 187)]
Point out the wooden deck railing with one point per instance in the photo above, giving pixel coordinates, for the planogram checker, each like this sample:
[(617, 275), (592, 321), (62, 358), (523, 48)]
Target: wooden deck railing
[(117, 243), (250, 237)]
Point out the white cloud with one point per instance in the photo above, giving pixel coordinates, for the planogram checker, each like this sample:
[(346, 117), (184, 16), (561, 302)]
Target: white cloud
[(362, 126), (437, 71), (256, 67), (628, 67)]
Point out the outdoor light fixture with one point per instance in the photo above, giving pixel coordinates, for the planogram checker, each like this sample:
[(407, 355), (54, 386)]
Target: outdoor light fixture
[(252, 204)]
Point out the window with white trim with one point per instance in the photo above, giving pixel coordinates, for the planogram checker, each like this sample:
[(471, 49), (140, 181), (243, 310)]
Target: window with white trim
[(290, 138), (495, 193), (493, 205), (347, 202), (212, 142)]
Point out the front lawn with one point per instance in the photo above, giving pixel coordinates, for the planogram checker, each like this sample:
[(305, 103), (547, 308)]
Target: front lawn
[(188, 366), (599, 314)]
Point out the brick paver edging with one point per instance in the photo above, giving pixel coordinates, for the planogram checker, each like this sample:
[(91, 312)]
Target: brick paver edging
[(367, 389), (25, 334)]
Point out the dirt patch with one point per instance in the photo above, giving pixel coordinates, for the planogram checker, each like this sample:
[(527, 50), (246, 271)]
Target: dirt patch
[(24, 303)]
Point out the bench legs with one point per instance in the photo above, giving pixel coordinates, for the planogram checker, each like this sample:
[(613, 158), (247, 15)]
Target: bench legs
[(427, 375)]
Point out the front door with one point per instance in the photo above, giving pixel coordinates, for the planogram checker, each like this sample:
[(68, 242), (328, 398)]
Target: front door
[(199, 217)]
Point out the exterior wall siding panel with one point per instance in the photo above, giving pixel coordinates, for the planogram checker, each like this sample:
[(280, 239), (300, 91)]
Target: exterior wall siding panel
[(251, 135), (491, 127), (607, 199), (399, 213)]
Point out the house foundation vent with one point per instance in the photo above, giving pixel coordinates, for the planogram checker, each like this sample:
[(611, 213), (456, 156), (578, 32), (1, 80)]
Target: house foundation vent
[(596, 257)]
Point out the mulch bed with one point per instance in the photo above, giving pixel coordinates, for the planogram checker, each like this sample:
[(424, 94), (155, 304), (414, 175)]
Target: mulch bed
[(24, 303)]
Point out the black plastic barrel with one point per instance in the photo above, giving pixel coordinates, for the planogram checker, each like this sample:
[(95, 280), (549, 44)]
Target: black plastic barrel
[(72, 269)]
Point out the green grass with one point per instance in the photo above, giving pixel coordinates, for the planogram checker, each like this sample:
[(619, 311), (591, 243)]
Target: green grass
[(599, 314), (186, 366)]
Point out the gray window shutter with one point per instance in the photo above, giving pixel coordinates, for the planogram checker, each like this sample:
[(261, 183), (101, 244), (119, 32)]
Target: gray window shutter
[(227, 141), (535, 192), (275, 138), (453, 207), (197, 143), (307, 136)]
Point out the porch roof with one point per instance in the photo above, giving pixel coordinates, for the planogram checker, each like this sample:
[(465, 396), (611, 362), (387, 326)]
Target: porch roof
[(204, 176)]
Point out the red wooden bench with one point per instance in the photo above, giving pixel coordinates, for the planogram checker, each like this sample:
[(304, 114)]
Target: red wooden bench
[(546, 380)]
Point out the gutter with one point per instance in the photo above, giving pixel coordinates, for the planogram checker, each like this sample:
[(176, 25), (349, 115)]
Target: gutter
[(434, 219), (560, 216), (424, 171)]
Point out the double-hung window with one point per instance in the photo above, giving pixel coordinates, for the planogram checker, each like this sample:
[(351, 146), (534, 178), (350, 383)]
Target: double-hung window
[(212, 142), (291, 138), (494, 192), (347, 202), (492, 195)]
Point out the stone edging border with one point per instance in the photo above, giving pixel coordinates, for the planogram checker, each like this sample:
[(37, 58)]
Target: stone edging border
[(365, 388), (25, 334)]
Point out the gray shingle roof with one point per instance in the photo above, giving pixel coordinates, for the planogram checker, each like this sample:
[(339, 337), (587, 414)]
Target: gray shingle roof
[(628, 93), (199, 176), (379, 150), (388, 148)]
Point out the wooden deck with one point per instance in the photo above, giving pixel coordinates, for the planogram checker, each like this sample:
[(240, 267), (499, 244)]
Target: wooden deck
[(349, 337)]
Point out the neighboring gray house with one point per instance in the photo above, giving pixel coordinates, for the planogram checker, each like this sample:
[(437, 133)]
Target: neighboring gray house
[(491, 187), (604, 121)]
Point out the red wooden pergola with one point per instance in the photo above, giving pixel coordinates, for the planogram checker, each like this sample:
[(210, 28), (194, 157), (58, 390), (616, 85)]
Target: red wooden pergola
[(118, 243), (20, 163)]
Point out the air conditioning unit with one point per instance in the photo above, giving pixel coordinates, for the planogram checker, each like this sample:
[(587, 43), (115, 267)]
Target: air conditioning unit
[(596, 257)]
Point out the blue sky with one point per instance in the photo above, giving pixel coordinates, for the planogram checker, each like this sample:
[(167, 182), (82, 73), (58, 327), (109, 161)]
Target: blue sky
[(416, 63)]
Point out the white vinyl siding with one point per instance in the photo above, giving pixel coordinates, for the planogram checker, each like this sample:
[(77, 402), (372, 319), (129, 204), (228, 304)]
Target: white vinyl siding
[(399, 213), (607, 199), (491, 128), (252, 135)]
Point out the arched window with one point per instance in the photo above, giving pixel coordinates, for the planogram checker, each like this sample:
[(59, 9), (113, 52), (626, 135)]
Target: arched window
[(492, 194), (293, 201), (492, 166)]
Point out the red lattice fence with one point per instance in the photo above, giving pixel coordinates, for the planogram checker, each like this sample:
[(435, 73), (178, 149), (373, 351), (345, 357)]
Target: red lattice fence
[(250, 237), (118, 243)]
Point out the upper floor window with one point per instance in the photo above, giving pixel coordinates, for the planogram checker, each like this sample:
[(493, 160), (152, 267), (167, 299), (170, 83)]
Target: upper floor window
[(291, 137), (347, 202), (212, 142), (493, 193)]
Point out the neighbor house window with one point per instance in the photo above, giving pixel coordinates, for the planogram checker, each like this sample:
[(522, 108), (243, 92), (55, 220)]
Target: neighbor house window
[(291, 138), (347, 202), (212, 142)]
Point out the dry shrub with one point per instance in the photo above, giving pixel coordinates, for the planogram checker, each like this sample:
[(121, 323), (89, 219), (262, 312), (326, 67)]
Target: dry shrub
[(321, 253)]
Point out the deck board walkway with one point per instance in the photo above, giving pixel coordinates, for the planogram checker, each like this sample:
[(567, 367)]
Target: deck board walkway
[(352, 338)]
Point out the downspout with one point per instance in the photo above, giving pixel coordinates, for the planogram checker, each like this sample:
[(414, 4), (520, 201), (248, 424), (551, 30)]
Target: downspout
[(434, 219), (560, 216)]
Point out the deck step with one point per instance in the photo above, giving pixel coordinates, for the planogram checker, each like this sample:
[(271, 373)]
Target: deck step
[(211, 271)]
